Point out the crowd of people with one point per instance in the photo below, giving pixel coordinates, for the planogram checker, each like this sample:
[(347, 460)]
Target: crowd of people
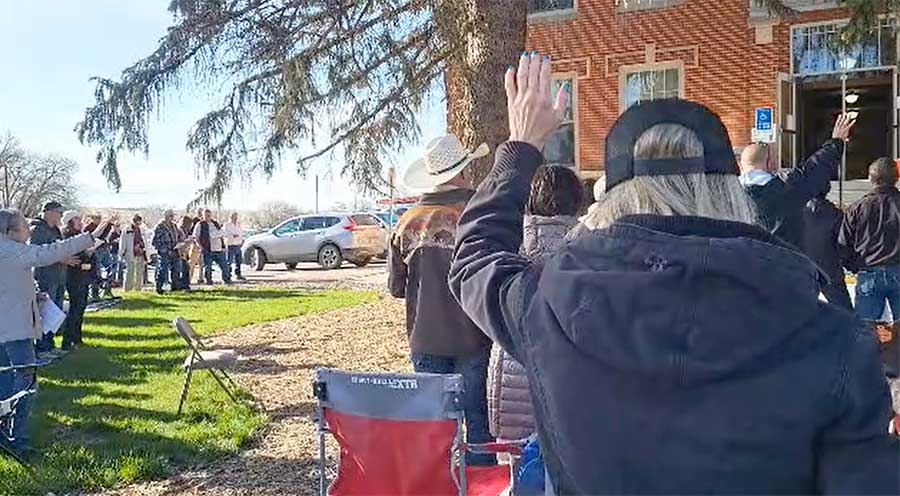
[(692, 333), (71, 260)]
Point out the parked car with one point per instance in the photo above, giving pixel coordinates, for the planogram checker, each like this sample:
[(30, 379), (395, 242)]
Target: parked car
[(328, 239), (386, 218)]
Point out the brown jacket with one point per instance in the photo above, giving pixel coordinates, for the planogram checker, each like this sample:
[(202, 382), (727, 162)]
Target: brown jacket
[(421, 250)]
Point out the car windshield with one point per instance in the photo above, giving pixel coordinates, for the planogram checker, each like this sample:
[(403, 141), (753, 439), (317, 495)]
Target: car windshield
[(364, 220)]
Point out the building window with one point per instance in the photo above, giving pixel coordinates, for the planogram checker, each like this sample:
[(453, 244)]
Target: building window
[(654, 83), (560, 148), (537, 6), (632, 5), (814, 49)]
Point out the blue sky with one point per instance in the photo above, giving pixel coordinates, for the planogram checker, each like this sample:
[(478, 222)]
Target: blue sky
[(50, 50)]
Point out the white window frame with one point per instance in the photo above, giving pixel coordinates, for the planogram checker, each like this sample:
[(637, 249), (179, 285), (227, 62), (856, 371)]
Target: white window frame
[(555, 15), (843, 21), (626, 70), (573, 77), (640, 5)]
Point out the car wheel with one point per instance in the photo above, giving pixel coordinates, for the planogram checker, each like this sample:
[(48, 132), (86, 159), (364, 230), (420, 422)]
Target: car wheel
[(362, 262), (330, 257), (256, 258), (291, 266)]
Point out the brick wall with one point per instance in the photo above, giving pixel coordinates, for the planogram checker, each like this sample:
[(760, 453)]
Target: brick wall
[(724, 68)]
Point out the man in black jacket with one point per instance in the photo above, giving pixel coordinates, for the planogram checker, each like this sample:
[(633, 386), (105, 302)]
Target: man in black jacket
[(780, 198), (51, 279), (821, 223), (870, 243)]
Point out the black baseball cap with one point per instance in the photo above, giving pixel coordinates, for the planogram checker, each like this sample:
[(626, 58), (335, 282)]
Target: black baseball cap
[(53, 205), (718, 155)]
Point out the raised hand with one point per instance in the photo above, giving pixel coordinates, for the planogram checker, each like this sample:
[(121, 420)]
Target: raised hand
[(842, 127), (533, 113)]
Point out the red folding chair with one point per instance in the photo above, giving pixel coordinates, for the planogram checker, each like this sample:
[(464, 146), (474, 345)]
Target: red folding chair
[(401, 434)]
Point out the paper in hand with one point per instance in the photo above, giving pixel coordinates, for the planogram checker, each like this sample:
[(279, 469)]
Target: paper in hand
[(52, 316)]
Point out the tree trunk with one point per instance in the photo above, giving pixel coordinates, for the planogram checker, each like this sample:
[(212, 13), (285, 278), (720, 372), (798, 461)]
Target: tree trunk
[(476, 99)]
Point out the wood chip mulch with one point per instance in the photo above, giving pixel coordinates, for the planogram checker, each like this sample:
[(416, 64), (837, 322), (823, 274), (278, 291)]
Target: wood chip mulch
[(277, 366)]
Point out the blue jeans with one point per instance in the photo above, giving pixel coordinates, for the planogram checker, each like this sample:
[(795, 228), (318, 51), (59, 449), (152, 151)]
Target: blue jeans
[(874, 287), (235, 258), (474, 373), (219, 258), (19, 352), (166, 270)]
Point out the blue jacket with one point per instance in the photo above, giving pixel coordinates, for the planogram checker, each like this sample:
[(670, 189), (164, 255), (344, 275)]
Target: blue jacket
[(676, 355)]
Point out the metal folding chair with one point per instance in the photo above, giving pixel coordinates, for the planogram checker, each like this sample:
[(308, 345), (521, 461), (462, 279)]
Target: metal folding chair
[(401, 434), (8, 408), (215, 361)]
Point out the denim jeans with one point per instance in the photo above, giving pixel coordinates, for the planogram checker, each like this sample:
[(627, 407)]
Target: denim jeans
[(219, 258), (19, 352), (166, 270), (235, 258), (474, 373), (874, 287)]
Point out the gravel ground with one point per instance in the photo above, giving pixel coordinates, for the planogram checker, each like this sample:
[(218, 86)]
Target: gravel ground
[(278, 361)]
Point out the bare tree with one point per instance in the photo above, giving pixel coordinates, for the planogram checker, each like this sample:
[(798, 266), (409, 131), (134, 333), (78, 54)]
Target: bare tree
[(271, 213), (347, 76), (30, 179)]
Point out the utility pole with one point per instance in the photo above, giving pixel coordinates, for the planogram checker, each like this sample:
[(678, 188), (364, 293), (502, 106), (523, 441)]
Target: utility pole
[(317, 193)]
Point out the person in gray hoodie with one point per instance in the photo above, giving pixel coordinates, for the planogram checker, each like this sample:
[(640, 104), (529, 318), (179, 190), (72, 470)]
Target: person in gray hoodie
[(21, 320), (555, 199)]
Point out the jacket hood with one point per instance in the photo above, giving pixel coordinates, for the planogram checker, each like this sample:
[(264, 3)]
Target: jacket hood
[(685, 298)]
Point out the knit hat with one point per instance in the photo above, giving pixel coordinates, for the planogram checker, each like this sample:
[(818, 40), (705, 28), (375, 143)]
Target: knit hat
[(718, 155)]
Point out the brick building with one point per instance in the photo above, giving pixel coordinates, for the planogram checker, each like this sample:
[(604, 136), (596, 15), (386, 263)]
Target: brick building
[(727, 54)]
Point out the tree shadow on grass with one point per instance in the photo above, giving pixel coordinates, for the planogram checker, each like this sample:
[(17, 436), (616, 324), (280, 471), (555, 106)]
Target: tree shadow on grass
[(127, 322), (254, 294)]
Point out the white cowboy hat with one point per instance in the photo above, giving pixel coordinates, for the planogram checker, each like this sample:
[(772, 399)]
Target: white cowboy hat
[(444, 159), (69, 215)]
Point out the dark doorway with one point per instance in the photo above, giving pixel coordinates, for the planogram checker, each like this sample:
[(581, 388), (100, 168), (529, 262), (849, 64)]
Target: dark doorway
[(820, 104)]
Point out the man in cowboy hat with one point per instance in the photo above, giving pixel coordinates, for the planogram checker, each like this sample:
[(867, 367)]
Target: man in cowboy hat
[(442, 339), (673, 346)]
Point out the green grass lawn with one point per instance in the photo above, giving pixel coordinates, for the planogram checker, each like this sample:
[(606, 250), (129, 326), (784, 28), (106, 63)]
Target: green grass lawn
[(105, 414)]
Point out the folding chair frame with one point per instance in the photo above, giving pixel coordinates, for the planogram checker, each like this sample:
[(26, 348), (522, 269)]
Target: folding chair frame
[(13, 402), (196, 345), (457, 463)]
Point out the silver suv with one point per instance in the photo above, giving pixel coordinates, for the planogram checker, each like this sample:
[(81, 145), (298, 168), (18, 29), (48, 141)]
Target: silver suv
[(328, 239)]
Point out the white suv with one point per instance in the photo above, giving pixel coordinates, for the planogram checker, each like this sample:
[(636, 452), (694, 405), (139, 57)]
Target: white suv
[(328, 239)]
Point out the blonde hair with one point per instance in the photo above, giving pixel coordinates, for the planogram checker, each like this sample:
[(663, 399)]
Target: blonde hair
[(716, 196)]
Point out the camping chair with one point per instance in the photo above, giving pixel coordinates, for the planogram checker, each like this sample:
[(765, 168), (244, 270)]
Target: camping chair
[(8, 411), (402, 434), (203, 358)]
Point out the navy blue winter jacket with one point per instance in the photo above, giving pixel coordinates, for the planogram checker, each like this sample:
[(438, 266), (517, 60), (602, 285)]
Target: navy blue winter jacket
[(677, 355)]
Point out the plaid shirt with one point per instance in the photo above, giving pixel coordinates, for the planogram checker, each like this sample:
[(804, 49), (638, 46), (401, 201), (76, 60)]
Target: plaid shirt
[(166, 236)]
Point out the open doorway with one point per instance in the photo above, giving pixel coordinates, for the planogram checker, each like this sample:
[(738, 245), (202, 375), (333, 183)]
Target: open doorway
[(820, 103)]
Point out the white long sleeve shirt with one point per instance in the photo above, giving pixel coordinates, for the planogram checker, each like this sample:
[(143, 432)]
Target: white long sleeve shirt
[(234, 234)]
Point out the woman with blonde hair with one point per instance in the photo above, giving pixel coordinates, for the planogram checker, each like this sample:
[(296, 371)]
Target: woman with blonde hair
[(674, 347)]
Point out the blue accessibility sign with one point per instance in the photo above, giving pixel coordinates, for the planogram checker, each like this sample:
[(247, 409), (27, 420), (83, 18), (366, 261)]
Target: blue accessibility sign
[(764, 119)]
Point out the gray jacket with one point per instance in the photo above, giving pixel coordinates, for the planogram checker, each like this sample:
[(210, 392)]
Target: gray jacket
[(509, 398), (17, 291)]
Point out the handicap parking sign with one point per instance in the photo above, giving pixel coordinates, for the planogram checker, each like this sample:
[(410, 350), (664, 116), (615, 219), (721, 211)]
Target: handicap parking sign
[(764, 119)]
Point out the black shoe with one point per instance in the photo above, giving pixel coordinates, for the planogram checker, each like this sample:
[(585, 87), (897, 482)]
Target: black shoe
[(160, 291)]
